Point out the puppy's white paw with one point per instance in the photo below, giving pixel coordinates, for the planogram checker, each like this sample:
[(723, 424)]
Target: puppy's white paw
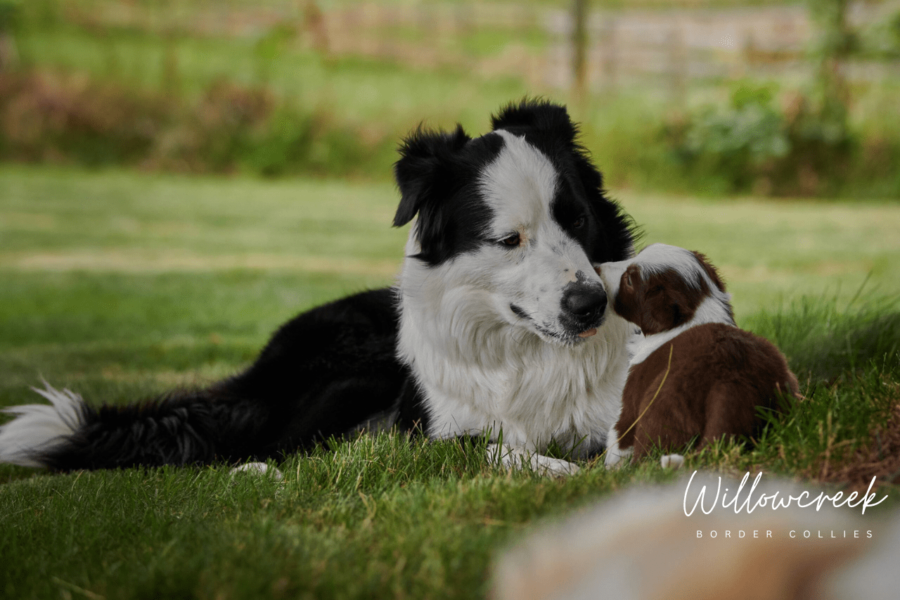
[(672, 461), (615, 456), (258, 468)]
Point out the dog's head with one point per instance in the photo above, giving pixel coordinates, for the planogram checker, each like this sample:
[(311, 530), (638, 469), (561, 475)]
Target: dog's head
[(518, 215), (665, 287)]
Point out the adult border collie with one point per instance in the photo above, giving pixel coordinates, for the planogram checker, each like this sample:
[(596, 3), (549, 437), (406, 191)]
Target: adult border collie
[(497, 325)]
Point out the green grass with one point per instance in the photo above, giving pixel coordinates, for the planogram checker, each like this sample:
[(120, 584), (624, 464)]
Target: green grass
[(121, 285)]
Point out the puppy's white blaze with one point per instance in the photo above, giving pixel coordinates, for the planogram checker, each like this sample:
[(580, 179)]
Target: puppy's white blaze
[(660, 257), (611, 275), (38, 426), (656, 258)]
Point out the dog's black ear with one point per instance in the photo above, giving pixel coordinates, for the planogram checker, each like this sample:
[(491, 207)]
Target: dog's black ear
[(537, 114), (424, 166)]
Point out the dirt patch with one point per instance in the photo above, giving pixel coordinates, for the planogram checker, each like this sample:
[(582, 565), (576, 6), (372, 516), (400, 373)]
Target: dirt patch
[(879, 458)]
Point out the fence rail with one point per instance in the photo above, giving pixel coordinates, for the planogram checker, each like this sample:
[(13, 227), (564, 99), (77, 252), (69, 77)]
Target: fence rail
[(672, 45)]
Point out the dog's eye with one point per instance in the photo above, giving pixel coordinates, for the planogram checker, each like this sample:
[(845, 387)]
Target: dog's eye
[(511, 240), (627, 278), (579, 222)]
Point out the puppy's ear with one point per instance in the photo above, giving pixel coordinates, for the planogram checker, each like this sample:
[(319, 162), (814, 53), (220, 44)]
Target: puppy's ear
[(710, 269), (662, 311), (536, 114), (425, 168)]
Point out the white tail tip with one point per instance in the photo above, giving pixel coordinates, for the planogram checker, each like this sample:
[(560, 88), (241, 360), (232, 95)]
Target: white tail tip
[(37, 427)]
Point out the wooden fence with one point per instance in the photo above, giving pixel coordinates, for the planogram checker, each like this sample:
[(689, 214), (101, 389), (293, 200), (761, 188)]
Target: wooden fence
[(668, 46)]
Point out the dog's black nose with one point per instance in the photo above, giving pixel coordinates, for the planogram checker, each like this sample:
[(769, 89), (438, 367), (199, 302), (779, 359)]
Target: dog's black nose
[(585, 303)]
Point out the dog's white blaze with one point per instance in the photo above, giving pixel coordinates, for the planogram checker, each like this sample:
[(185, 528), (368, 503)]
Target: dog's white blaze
[(518, 186), (38, 426), (483, 367)]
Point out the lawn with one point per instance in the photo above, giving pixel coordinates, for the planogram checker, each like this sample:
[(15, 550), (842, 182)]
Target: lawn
[(121, 285)]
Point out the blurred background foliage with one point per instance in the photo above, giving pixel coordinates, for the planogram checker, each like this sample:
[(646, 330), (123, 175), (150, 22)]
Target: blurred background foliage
[(702, 96)]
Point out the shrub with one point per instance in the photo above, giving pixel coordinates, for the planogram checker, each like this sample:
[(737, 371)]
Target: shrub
[(754, 143), (74, 119), (48, 117)]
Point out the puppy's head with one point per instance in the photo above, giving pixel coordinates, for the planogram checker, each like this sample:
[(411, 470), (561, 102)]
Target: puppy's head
[(514, 218), (665, 287)]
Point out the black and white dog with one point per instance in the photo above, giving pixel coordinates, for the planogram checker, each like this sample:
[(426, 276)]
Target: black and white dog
[(497, 325)]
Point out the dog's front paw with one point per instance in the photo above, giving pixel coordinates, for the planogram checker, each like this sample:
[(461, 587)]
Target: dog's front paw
[(258, 468), (518, 458), (555, 467)]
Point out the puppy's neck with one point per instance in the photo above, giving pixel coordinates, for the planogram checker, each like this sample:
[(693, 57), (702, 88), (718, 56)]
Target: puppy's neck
[(712, 310)]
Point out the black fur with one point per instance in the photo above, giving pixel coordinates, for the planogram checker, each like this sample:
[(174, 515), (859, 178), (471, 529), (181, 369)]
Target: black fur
[(437, 174), (321, 375)]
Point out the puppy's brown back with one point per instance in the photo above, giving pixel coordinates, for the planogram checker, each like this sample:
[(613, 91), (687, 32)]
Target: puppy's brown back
[(718, 377)]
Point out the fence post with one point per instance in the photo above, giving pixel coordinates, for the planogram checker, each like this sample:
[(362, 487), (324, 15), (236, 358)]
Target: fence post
[(609, 55), (579, 47), (677, 64)]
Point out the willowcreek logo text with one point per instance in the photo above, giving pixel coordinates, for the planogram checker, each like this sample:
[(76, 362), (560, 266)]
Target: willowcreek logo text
[(773, 501), (793, 534), (737, 501)]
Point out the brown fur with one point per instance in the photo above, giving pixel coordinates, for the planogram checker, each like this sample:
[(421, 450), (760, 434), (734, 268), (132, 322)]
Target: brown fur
[(718, 377)]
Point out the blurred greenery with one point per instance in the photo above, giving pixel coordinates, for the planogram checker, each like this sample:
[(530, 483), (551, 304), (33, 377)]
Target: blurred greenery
[(163, 93)]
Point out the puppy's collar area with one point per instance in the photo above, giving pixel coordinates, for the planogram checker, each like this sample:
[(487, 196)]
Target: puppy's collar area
[(711, 310)]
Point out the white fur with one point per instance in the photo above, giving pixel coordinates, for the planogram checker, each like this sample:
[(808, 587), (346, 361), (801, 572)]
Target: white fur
[(517, 458), (38, 426), (482, 367), (614, 455), (258, 468), (671, 461)]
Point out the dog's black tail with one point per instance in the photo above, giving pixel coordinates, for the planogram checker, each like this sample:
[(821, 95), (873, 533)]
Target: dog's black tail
[(183, 428), (322, 374)]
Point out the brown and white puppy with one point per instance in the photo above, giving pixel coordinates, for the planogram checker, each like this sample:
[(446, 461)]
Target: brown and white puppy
[(718, 376)]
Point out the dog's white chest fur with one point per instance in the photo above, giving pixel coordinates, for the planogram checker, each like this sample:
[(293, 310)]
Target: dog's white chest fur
[(481, 375)]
